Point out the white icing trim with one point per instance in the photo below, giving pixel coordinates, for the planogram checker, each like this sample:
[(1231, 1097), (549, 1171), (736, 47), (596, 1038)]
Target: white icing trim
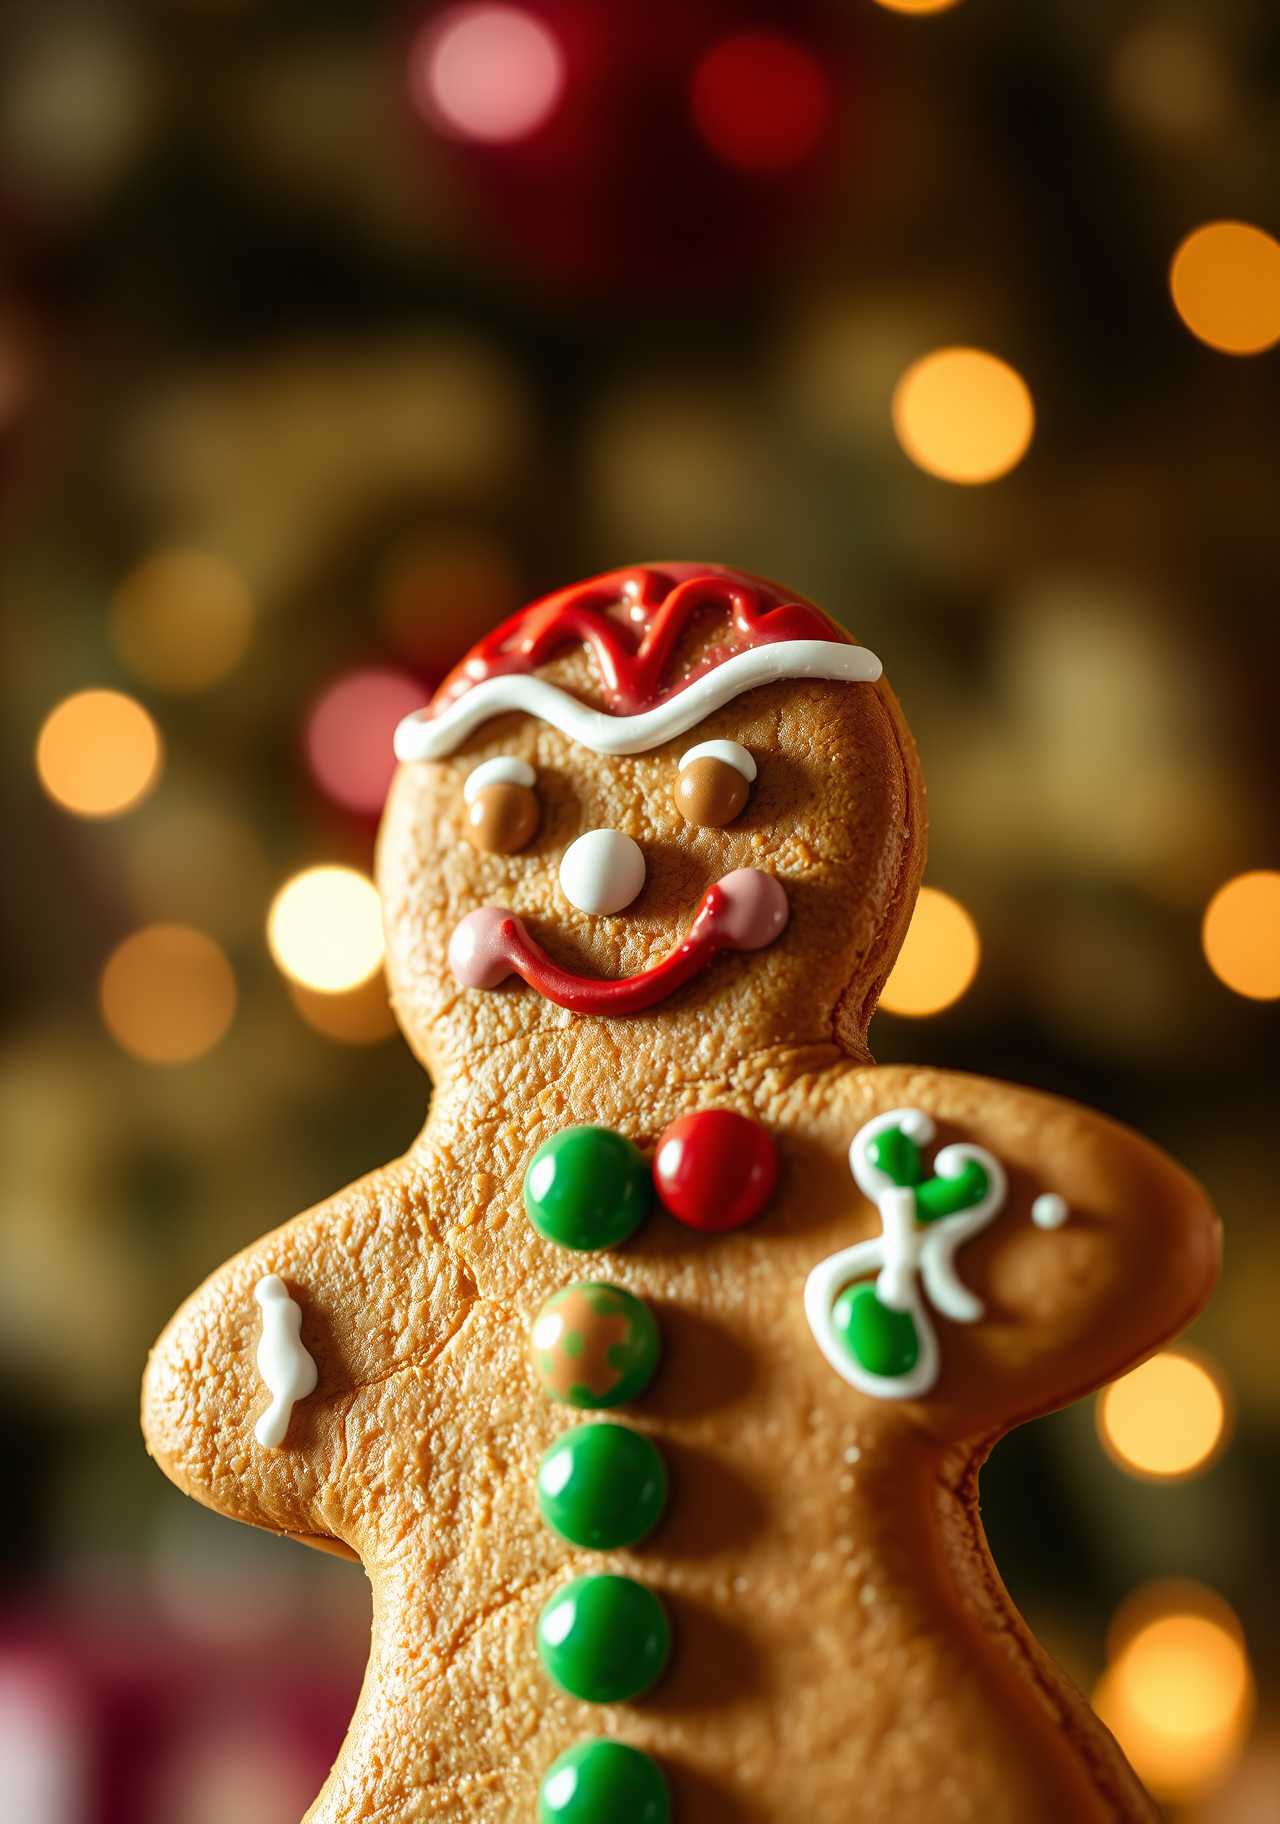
[(504, 770), (906, 1252), (733, 753), (418, 738), (283, 1360)]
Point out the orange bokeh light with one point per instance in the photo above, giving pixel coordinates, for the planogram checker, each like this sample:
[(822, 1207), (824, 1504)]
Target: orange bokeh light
[(937, 962), (963, 415), (1165, 1420), (1178, 1695), (1241, 935), (168, 994), (99, 754), (1225, 280)]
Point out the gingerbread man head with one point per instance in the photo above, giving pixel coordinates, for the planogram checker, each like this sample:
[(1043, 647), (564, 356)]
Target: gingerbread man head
[(648, 862), (663, 757)]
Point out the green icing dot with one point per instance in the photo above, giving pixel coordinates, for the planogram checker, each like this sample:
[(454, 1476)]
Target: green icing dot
[(880, 1340), (603, 1639), (587, 1188), (603, 1783), (896, 1156), (944, 1196), (602, 1486)]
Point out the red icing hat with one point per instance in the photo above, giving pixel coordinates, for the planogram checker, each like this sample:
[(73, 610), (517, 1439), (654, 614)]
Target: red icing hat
[(633, 621)]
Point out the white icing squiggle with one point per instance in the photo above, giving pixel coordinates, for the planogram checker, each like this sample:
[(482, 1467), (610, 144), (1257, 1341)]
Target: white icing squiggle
[(283, 1362), (905, 1253), (421, 738)]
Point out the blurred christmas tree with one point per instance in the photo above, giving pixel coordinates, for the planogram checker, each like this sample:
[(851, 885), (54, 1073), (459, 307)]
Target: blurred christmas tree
[(329, 333)]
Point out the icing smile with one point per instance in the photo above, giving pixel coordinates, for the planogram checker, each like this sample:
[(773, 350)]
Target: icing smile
[(745, 910)]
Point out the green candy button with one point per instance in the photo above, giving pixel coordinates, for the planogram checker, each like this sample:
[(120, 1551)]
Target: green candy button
[(594, 1345), (880, 1340), (602, 1486), (603, 1783), (587, 1188), (604, 1639)]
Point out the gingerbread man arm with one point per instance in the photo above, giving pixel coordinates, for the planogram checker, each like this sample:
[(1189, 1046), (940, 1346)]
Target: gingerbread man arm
[(377, 1296)]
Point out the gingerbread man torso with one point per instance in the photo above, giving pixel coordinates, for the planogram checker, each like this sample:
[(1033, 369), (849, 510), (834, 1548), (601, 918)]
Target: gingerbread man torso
[(826, 1634)]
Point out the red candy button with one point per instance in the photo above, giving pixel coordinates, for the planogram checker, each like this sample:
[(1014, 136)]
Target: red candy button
[(715, 1170)]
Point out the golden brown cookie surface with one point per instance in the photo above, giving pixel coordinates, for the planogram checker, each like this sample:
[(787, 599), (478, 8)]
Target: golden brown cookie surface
[(842, 1646)]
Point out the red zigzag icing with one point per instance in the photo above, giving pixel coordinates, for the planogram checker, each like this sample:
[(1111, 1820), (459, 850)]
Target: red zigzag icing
[(633, 621)]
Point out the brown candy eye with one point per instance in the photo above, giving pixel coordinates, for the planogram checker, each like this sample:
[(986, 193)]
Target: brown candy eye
[(502, 818), (710, 792)]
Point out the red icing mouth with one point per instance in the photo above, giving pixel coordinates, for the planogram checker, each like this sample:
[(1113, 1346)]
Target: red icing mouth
[(744, 911)]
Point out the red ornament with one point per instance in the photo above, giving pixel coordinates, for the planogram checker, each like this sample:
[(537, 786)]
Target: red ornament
[(715, 1170)]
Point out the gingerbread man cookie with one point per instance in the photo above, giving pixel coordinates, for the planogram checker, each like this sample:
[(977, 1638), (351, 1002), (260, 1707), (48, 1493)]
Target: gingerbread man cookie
[(652, 1385)]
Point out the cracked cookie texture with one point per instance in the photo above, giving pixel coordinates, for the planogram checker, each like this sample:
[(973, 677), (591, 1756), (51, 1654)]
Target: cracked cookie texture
[(842, 1646)]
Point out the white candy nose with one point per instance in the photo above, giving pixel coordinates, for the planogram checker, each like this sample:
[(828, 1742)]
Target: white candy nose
[(602, 871)]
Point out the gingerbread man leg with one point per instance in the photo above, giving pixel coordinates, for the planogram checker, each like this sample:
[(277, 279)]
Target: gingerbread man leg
[(673, 1496)]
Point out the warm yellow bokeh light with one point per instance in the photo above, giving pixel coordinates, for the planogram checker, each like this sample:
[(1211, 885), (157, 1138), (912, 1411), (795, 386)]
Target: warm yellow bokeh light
[(938, 960), (181, 620), (1241, 935), (325, 929), (963, 415), (99, 753), (1165, 1420), (1178, 1698), (918, 6), (167, 994), (1225, 280)]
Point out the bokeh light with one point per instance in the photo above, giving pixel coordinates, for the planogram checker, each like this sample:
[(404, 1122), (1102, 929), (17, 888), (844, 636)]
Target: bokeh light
[(325, 929), (1169, 82), (167, 994), (99, 754), (349, 736), (1241, 934), (938, 960), (917, 6), (760, 100), (494, 74), (963, 415), (1178, 1694), (1225, 280), (1165, 1420), (181, 620), (360, 1016)]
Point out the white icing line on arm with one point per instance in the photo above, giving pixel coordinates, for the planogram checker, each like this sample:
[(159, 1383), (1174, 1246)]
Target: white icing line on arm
[(420, 738), (283, 1363), (733, 753), (504, 770)]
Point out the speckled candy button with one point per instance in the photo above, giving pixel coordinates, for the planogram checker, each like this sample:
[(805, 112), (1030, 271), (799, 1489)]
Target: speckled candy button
[(594, 1345)]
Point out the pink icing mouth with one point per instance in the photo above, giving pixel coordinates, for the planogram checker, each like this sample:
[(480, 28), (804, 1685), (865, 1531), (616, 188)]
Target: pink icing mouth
[(744, 911)]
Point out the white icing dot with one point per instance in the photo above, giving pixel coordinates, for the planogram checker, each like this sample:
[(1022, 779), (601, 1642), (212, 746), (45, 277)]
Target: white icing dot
[(853, 1454), (1049, 1211), (740, 1585), (602, 871), (867, 1594), (504, 770), (845, 1484), (731, 752)]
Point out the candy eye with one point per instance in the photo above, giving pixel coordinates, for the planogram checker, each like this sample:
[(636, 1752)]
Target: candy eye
[(503, 813), (715, 779)]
